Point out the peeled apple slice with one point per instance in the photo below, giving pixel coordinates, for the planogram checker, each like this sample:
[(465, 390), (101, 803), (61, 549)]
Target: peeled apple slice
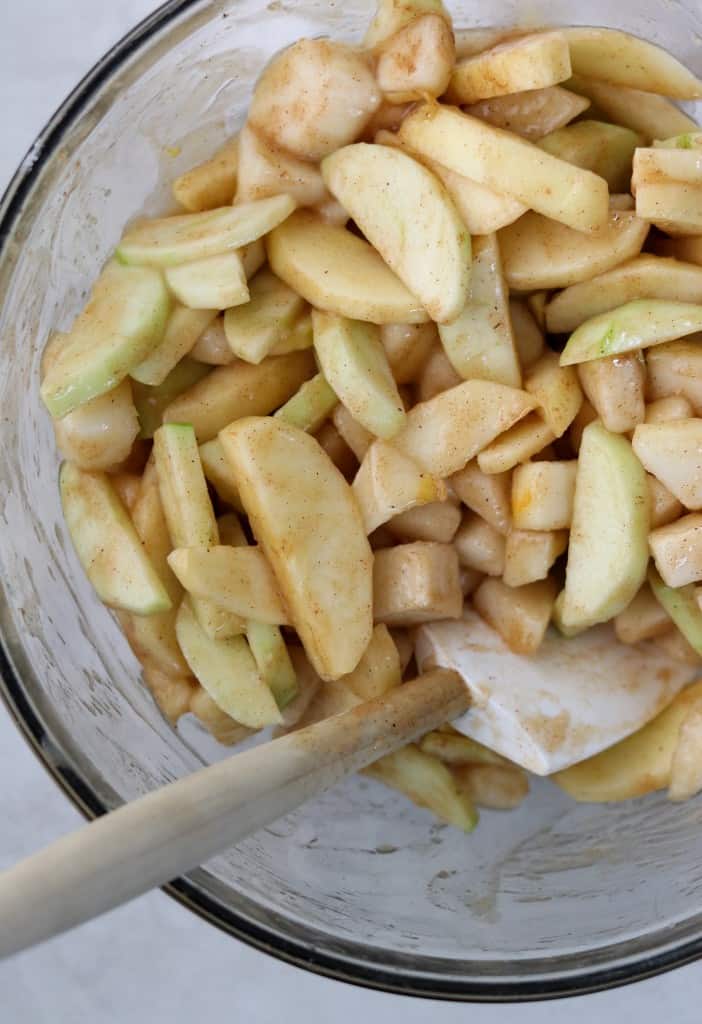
[(353, 360), (227, 671), (409, 217), (389, 483), (393, 15), (253, 330), (236, 578), (608, 551), (530, 62), (306, 519), (655, 117), (216, 282), (182, 332), (107, 544), (336, 271), (167, 241), (631, 327), (122, 323)]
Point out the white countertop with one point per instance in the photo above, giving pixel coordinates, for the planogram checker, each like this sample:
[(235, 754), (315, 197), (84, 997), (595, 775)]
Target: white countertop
[(153, 961)]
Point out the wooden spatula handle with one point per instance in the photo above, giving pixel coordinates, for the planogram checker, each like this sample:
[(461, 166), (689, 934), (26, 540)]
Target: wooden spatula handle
[(158, 837)]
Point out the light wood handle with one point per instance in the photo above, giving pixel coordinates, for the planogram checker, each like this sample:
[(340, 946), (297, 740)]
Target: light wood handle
[(158, 837)]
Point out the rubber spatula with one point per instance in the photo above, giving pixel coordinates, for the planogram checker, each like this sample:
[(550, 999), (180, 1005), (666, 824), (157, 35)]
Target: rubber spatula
[(572, 699)]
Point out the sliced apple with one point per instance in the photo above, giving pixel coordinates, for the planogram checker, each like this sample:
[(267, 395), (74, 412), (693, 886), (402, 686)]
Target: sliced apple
[(417, 61), (227, 671), (672, 453), (644, 277), (682, 606), (676, 369), (488, 495), (100, 434), (336, 271), (480, 342), (184, 328), (389, 483), (212, 346), (519, 614), (634, 326), (300, 506), (264, 171), (530, 554), (654, 117), (508, 164), (122, 323), (107, 544), (218, 472), (446, 432), (529, 62), (539, 253), (604, 149), (533, 113), (622, 59), (663, 163), (167, 241), (151, 401), (393, 15), (556, 390), (310, 406), (677, 550), (236, 578), (415, 583), (216, 282), (273, 661), (408, 216), (254, 329), (210, 184), (480, 547), (615, 387), (674, 207), (608, 551), (542, 495), (353, 360), (408, 347), (526, 438), (378, 670)]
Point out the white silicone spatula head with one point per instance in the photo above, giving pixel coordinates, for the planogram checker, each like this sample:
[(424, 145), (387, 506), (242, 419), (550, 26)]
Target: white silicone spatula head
[(570, 700)]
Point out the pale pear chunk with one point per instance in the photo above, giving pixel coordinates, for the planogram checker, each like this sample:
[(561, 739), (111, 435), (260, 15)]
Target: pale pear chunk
[(410, 219), (507, 164), (300, 506), (437, 375), (336, 271), (665, 507), (417, 61), (313, 97), (488, 495), (529, 62), (532, 113), (388, 483), (677, 550), (437, 520), (643, 619), (98, 435), (608, 550), (672, 452), (480, 546), (663, 410), (615, 388), (633, 326)]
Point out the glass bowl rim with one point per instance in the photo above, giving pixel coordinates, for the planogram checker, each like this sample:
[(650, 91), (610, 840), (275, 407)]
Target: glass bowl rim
[(85, 799)]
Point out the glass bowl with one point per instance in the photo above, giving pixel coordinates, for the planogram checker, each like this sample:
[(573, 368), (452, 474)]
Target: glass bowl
[(552, 899)]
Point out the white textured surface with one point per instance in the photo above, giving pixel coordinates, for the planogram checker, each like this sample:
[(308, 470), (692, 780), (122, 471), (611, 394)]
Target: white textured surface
[(153, 961)]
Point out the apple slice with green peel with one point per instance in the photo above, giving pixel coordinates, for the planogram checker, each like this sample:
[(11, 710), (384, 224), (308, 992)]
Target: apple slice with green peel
[(681, 604), (253, 330), (237, 578), (354, 363), (273, 661), (338, 271), (167, 241), (151, 401), (216, 282), (636, 325), (608, 551), (654, 117), (310, 406), (182, 331), (227, 671), (122, 323), (409, 217), (107, 544), (604, 149), (300, 506)]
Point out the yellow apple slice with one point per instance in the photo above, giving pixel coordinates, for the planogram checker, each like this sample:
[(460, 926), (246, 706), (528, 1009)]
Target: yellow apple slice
[(530, 62), (236, 578), (634, 326)]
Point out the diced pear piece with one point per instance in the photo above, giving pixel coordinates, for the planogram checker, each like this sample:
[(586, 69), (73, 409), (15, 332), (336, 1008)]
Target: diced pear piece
[(631, 327), (488, 495), (539, 253), (266, 171), (236, 578), (299, 505), (417, 61), (644, 277), (479, 342), (122, 323), (216, 282), (167, 241), (519, 614), (528, 333), (241, 389), (507, 164), (415, 583), (677, 550), (437, 375), (665, 507), (253, 330), (107, 544), (389, 483), (446, 432), (542, 495), (604, 149), (557, 391), (227, 670), (683, 607), (378, 670), (637, 765), (184, 328), (526, 438), (673, 207), (437, 520), (480, 546), (615, 387), (336, 271), (314, 97), (621, 59), (608, 551), (530, 62), (393, 15), (212, 346), (407, 347), (353, 360), (530, 554), (654, 117), (310, 406), (210, 184), (150, 402), (672, 452), (643, 619), (409, 217), (100, 434), (663, 410), (533, 113), (676, 369)]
